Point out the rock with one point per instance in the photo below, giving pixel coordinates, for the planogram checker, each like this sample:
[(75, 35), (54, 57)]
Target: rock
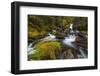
[(60, 35), (81, 42), (70, 54)]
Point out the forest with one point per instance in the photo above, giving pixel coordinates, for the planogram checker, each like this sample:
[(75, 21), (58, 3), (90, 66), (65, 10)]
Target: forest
[(57, 37)]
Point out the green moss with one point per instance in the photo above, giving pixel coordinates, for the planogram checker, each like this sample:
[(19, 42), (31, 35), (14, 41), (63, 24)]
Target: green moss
[(47, 51), (59, 35), (35, 34)]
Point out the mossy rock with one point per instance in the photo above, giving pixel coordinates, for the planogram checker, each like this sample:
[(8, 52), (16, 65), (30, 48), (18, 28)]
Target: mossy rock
[(47, 51), (59, 35), (82, 42), (70, 54), (36, 34)]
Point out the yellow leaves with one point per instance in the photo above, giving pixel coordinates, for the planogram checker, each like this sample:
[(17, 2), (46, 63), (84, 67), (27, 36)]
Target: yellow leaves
[(43, 32), (34, 33)]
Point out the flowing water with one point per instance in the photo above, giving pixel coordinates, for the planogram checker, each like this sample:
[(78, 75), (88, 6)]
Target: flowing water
[(68, 41), (31, 48)]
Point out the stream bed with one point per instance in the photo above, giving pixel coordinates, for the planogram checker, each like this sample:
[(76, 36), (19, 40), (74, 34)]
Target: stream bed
[(68, 41)]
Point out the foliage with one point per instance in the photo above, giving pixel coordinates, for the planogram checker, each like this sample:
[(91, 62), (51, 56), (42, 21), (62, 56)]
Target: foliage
[(39, 26)]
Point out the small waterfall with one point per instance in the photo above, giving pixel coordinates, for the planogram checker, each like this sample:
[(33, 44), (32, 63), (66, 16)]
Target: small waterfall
[(71, 26), (31, 49), (68, 40), (82, 53), (52, 36)]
